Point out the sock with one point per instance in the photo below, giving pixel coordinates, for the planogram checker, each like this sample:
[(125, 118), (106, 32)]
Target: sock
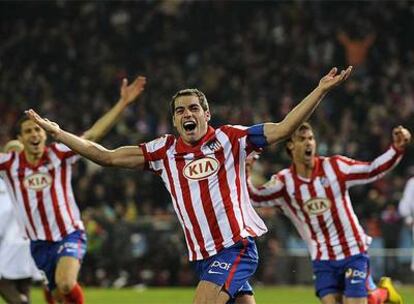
[(48, 296), (75, 296), (378, 296)]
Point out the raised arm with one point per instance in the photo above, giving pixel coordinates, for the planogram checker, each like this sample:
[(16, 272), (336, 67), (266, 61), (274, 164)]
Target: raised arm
[(275, 132), (129, 93), (268, 195), (359, 172), (126, 157)]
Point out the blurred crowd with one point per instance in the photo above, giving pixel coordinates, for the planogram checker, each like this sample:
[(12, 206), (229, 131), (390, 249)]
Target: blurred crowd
[(254, 60)]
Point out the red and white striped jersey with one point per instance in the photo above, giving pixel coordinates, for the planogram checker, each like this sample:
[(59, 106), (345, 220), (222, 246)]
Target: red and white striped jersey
[(208, 187), (320, 207), (42, 194)]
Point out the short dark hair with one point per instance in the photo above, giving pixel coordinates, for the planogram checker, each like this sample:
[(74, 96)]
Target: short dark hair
[(190, 92), (303, 126), (19, 123)]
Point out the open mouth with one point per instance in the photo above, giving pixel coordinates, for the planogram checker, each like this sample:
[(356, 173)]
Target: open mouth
[(308, 152), (189, 126), (35, 143)]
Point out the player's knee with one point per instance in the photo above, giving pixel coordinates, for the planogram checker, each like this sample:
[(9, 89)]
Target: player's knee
[(65, 285)]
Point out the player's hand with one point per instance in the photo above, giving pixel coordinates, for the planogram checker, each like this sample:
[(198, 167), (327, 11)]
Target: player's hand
[(130, 92), (401, 137), (49, 126), (332, 79)]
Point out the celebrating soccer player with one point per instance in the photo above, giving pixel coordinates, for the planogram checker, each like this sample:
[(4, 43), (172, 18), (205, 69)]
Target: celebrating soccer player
[(313, 193), (39, 181), (204, 171)]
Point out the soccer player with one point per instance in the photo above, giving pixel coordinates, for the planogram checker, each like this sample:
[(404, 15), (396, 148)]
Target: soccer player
[(204, 171), (313, 193), (17, 268), (406, 208), (39, 182)]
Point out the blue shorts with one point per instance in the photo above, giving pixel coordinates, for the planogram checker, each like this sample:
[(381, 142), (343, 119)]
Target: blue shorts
[(46, 254), (231, 268), (347, 276)]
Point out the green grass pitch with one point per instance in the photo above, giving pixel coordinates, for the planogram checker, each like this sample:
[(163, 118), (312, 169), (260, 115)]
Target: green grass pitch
[(264, 295)]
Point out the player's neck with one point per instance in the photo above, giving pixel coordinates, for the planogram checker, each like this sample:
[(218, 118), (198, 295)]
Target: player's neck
[(304, 169), (32, 158)]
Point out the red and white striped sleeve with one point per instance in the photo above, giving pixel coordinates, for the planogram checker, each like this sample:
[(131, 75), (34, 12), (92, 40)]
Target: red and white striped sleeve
[(5, 160), (240, 134), (63, 152), (355, 172), (155, 151), (268, 195)]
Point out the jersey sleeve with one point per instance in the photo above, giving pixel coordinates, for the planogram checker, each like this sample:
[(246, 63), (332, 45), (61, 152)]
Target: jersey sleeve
[(5, 160), (406, 205), (63, 152), (249, 138), (268, 195), (155, 152), (356, 172)]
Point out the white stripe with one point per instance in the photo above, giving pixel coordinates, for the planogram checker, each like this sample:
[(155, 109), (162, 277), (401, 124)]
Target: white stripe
[(180, 201), (341, 207), (290, 188), (60, 198), (17, 198), (251, 218), (328, 218), (315, 223), (231, 183)]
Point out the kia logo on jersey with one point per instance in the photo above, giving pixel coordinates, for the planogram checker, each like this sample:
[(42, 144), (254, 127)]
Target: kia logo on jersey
[(201, 168), (37, 181), (317, 206)]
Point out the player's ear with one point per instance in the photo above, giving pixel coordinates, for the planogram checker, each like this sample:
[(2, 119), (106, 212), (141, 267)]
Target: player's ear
[(208, 115), (289, 145)]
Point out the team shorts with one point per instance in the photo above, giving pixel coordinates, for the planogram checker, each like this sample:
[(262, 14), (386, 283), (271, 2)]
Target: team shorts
[(348, 276), (46, 254), (231, 268)]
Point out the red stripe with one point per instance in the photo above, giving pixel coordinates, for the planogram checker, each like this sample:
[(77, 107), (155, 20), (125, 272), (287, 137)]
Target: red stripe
[(235, 264), (61, 154), (335, 218), (25, 197), (175, 201), (341, 182), (382, 168), (56, 208), (43, 217), (226, 196), (322, 224), (188, 204), (299, 200), (63, 173), (210, 215), (235, 151)]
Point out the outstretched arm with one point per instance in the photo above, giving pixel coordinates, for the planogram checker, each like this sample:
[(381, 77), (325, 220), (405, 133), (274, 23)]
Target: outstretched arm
[(275, 132), (126, 157), (358, 172), (129, 93)]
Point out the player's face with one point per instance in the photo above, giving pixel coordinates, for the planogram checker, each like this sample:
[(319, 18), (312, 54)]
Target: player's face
[(32, 137), (303, 147), (189, 118)]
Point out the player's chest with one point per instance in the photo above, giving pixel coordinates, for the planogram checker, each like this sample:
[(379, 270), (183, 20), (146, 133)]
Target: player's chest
[(36, 179), (315, 197), (203, 164)]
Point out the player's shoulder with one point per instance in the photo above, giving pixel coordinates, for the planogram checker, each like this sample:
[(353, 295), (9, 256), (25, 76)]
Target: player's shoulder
[(163, 141), (234, 130)]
